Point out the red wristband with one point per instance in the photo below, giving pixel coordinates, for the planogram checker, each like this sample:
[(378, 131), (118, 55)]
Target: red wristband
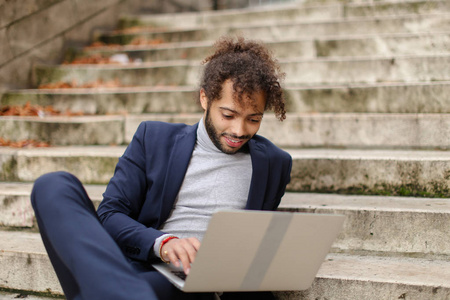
[(162, 244)]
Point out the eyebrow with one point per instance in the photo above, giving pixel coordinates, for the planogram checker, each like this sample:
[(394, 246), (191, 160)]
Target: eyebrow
[(235, 112)]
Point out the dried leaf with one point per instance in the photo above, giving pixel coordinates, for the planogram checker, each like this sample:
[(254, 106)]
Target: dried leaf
[(35, 110), (97, 45), (142, 41), (22, 143), (94, 59), (138, 29), (94, 84), (57, 85)]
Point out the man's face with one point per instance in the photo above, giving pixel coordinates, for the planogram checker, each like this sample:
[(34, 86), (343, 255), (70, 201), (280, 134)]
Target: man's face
[(230, 125)]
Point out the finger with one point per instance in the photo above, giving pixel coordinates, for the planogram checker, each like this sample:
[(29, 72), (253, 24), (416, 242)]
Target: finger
[(185, 255), (195, 243), (191, 249), (169, 254), (172, 257), (176, 253), (181, 250), (186, 264)]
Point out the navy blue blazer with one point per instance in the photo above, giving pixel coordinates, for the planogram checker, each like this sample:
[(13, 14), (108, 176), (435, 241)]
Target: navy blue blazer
[(147, 178)]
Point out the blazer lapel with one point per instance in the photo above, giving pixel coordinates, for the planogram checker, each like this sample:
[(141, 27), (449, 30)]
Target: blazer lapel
[(176, 168), (260, 175)]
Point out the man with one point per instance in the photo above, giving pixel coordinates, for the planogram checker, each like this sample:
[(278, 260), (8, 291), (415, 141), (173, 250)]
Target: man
[(167, 184)]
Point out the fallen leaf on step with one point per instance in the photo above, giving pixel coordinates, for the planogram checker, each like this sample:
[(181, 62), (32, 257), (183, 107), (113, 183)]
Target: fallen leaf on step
[(23, 143), (73, 85)]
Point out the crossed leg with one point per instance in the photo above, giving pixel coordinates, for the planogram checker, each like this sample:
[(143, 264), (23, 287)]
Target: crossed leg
[(87, 261)]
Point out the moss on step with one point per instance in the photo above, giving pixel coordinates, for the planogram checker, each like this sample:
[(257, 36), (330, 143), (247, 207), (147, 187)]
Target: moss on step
[(120, 39), (24, 294), (438, 190), (129, 22), (8, 169)]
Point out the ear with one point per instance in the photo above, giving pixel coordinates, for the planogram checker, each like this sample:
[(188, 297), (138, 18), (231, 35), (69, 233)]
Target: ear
[(203, 99)]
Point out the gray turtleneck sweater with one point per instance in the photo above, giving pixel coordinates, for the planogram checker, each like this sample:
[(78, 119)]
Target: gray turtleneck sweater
[(214, 181)]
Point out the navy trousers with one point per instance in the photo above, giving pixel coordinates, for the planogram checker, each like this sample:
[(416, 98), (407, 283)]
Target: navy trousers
[(88, 262)]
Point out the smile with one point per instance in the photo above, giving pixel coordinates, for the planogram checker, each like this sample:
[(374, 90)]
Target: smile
[(233, 142)]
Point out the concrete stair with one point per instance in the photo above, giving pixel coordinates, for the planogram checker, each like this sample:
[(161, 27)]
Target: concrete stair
[(368, 128), (306, 47), (16, 295), (362, 275), (324, 71), (369, 227), (362, 130), (413, 97), (282, 29), (291, 12)]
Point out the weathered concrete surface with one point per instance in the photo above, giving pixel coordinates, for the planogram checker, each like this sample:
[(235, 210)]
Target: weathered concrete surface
[(375, 223), (397, 172), (292, 30), (393, 172), (8, 165), (344, 277), (16, 295), (362, 45), (62, 130), (4, 47), (397, 44), (28, 265), (16, 211), (337, 130), (91, 164), (253, 15), (348, 27), (24, 42), (360, 130), (290, 12), (143, 74), (415, 97), (16, 73), (323, 71), (112, 100), (353, 70), (395, 8), (26, 33), (15, 205)]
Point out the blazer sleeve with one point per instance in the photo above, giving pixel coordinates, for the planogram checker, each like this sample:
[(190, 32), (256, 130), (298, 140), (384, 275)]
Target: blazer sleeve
[(285, 177), (123, 199)]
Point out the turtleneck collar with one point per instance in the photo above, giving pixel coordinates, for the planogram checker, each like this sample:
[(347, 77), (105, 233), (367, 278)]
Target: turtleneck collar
[(203, 139)]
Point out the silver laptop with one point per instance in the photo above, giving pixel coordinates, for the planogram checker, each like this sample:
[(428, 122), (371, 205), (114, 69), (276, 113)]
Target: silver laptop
[(258, 251)]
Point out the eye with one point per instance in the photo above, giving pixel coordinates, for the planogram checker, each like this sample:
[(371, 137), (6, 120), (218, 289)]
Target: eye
[(227, 116), (257, 120)]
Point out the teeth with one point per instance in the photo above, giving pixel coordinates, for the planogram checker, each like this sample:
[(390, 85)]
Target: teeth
[(233, 140)]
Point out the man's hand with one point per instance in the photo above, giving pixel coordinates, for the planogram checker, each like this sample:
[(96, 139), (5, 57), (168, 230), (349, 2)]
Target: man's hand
[(183, 250)]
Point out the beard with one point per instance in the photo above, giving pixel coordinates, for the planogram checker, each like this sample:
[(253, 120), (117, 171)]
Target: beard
[(215, 136)]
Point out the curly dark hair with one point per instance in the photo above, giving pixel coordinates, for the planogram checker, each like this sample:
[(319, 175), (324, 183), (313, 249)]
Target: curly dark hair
[(250, 66)]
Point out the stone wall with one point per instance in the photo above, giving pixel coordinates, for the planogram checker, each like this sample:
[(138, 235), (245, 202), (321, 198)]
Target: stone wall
[(172, 6), (39, 31)]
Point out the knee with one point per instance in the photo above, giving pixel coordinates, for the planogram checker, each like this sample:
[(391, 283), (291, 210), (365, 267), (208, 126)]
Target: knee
[(50, 185)]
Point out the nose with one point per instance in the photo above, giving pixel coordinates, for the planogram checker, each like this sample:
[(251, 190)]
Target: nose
[(239, 129)]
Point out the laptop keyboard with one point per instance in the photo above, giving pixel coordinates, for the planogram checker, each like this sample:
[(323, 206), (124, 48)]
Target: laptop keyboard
[(179, 274)]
